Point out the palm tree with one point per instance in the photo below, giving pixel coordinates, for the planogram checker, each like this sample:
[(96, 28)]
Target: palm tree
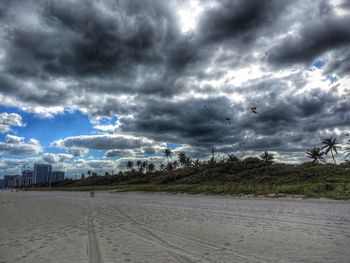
[(188, 161), (267, 157), (151, 167), (182, 158), (197, 163), (347, 150), (129, 165), (143, 166), (316, 155), (175, 164), (138, 163), (331, 145), (232, 157), (168, 154), (347, 164), (170, 167)]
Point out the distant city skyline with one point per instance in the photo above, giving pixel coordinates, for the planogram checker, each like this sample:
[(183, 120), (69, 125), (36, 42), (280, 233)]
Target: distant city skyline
[(40, 174)]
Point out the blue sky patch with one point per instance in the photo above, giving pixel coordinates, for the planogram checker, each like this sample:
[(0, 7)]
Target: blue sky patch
[(319, 63), (332, 78), (47, 130)]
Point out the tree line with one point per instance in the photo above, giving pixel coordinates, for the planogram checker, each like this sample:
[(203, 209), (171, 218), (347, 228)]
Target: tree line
[(317, 154)]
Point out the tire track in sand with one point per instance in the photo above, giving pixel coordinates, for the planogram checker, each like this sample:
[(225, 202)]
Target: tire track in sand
[(93, 250), (152, 237)]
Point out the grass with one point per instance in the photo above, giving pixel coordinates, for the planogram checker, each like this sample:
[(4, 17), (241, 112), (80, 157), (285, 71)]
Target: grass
[(308, 190), (75, 188)]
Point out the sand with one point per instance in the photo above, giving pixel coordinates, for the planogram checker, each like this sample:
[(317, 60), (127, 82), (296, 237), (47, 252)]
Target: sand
[(143, 227)]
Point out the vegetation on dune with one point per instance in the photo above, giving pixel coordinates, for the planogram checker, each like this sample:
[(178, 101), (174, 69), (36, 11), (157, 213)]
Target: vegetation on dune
[(232, 175)]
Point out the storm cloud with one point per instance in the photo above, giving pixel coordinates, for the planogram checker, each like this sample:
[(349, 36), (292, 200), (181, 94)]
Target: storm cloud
[(134, 61)]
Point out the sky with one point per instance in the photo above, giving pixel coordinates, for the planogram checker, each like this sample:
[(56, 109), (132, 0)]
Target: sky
[(87, 85)]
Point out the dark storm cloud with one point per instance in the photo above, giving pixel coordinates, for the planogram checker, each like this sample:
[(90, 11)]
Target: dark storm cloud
[(193, 121), (340, 63), (39, 93), (311, 41), (226, 33), (239, 20), (296, 113), (99, 39), (202, 123), (131, 59), (105, 47), (115, 48)]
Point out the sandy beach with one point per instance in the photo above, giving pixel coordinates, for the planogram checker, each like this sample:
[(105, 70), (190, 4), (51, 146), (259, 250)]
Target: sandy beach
[(143, 227)]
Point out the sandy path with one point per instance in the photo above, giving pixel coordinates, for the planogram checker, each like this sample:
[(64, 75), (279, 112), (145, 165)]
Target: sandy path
[(138, 227)]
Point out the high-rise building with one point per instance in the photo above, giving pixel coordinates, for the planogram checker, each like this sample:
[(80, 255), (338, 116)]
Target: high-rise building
[(9, 181), (18, 181), (27, 177), (42, 173), (57, 176)]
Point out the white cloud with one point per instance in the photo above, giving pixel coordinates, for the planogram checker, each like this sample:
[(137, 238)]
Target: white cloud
[(13, 139), (56, 158), (15, 145), (103, 142), (8, 120)]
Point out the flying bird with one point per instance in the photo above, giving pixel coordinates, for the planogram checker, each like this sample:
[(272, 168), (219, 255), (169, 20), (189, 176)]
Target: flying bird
[(253, 110), (206, 107), (229, 120)]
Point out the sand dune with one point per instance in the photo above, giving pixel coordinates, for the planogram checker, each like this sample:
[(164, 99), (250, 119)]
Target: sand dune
[(139, 227)]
